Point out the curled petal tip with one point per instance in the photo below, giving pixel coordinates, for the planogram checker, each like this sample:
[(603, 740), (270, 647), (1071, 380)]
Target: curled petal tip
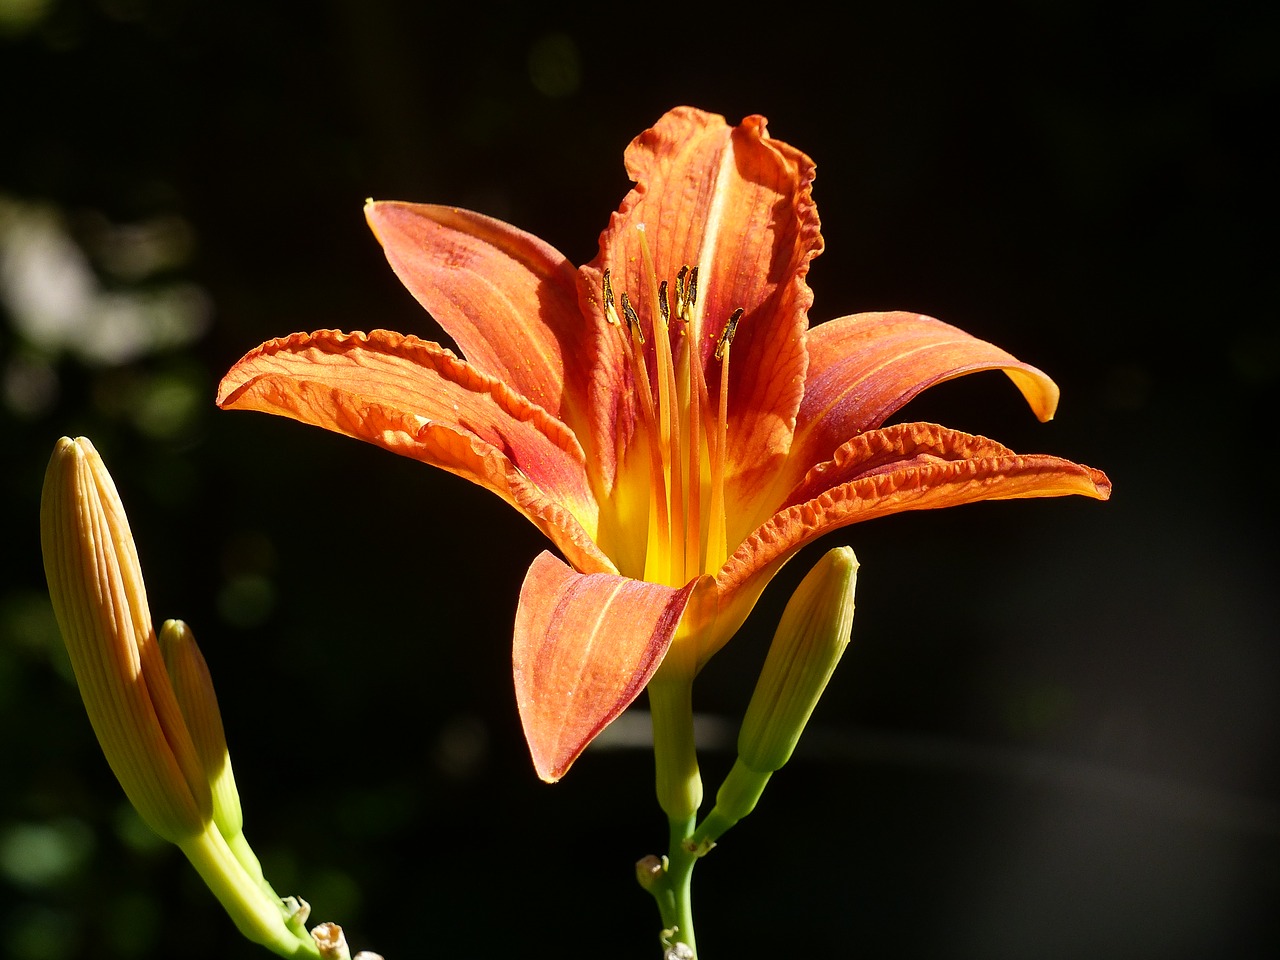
[(1101, 485)]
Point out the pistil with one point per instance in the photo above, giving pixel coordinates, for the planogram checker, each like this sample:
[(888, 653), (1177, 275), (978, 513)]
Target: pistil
[(668, 416)]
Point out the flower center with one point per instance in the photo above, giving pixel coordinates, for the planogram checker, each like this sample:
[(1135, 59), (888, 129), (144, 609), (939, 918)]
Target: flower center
[(683, 430)]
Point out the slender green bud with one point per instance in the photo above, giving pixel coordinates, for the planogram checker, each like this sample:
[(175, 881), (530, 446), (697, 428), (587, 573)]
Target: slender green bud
[(95, 583), (810, 639), (193, 687)]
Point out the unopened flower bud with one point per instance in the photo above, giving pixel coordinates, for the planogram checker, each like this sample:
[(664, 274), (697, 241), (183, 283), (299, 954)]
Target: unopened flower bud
[(170, 759), (810, 639), (95, 583), (809, 642), (193, 687)]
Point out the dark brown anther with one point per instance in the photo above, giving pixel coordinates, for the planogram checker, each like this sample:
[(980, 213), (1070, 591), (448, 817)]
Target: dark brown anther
[(608, 290), (726, 336), (633, 321)]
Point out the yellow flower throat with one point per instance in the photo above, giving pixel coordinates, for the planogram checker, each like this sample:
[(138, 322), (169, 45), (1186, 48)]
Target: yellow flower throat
[(685, 436)]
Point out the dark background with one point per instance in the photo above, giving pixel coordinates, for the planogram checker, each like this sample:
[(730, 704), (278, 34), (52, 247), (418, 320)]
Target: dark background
[(1055, 733)]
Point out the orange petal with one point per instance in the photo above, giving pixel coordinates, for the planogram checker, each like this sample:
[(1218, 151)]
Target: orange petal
[(585, 646), (911, 466), (864, 368), (736, 204), (417, 399), (508, 299)]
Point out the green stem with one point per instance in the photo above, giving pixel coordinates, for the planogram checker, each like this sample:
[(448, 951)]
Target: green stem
[(679, 787), (255, 914), (677, 907), (736, 798), (679, 784)]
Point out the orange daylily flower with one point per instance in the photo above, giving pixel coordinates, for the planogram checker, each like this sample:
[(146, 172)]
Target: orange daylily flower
[(664, 414)]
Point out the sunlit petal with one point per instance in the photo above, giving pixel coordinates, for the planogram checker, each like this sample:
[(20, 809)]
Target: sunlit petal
[(508, 299), (912, 466), (417, 399), (865, 367), (585, 646), (738, 205)]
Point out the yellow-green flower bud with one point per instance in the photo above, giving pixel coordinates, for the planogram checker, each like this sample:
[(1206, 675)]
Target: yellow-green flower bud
[(95, 583), (809, 642), (193, 686), (810, 639)]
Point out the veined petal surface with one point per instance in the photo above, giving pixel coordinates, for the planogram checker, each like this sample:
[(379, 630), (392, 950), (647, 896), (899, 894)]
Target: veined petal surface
[(508, 299), (738, 205), (865, 367), (911, 466), (417, 399), (585, 646)]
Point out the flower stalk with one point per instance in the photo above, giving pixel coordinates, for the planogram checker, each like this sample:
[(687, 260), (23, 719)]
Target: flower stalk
[(811, 637), (679, 788)]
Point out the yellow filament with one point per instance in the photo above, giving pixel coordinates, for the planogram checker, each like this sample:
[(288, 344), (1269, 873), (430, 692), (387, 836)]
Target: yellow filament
[(659, 525), (685, 433), (716, 529), (668, 419), (690, 458), (717, 547)]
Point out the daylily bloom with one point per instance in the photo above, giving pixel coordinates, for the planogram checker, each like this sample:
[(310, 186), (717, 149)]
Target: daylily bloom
[(602, 403)]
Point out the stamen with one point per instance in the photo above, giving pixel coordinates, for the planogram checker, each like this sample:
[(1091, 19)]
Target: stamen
[(610, 311), (726, 336), (717, 521), (668, 418), (647, 432), (683, 427), (633, 322), (691, 452)]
